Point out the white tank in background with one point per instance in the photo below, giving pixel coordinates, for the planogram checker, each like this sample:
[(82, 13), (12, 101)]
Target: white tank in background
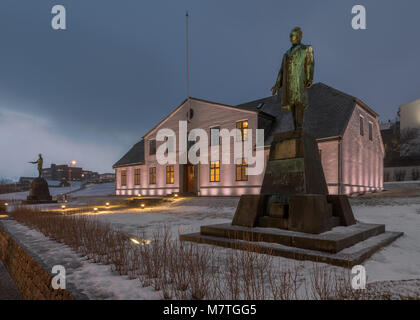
[(410, 129)]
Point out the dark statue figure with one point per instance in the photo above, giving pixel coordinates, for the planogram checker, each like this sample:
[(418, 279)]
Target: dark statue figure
[(295, 77), (39, 162), (39, 192)]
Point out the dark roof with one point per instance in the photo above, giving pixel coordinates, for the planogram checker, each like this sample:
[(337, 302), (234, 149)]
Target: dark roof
[(327, 116), (134, 156)]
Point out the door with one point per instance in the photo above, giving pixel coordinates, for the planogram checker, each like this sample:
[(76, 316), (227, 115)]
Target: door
[(189, 178)]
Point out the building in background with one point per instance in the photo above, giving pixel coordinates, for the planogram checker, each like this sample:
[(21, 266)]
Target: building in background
[(65, 172), (402, 144), (347, 131), (107, 177)]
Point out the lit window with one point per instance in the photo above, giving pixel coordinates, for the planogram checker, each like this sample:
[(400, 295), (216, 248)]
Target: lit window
[(370, 131), (215, 171), (152, 147), (152, 175), (242, 126), (123, 178), (137, 177), (362, 132), (241, 171), (169, 174)]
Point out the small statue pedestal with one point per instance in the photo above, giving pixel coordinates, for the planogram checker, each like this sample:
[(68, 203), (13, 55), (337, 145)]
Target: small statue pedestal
[(39, 192)]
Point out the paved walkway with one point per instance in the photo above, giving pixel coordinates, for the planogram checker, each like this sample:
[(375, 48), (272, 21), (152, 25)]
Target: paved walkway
[(8, 290)]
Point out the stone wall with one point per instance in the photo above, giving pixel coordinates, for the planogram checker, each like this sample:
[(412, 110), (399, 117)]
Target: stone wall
[(32, 280)]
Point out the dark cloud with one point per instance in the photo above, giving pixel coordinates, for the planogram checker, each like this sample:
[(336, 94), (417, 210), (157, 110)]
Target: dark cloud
[(120, 66)]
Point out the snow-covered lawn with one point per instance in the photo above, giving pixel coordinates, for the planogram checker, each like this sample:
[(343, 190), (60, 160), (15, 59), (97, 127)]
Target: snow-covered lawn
[(54, 191), (94, 280), (398, 261), (102, 189)]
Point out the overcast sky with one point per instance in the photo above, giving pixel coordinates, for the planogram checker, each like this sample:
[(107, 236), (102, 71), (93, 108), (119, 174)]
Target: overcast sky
[(92, 91)]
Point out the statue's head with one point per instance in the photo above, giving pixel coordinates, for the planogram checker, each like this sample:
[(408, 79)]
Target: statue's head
[(40, 155), (296, 36)]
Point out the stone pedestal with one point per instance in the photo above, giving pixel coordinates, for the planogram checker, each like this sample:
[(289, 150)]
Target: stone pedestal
[(294, 216), (294, 166), (39, 192), (294, 194)]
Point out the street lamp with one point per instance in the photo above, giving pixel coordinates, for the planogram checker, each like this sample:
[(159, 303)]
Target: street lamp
[(73, 163)]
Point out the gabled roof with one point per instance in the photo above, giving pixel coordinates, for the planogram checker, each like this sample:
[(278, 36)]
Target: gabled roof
[(205, 101), (134, 156), (327, 116)]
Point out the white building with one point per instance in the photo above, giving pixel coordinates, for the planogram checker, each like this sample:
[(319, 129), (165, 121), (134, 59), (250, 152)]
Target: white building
[(346, 129)]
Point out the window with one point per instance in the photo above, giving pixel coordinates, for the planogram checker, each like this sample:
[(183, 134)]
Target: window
[(241, 171), (123, 178), (152, 175), (242, 126), (214, 136), (370, 131), (169, 174), (215, 171), (152, 147), (136, 177), (362, 133)]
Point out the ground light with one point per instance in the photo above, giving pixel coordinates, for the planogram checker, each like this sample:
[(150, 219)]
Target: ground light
[(95, 209), (176, 195), (141, 242), (63, 207), (142, 205), (107, 204), (134, 241), (139, 195)]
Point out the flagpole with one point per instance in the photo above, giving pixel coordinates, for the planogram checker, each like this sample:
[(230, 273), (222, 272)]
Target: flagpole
[(187, 55)]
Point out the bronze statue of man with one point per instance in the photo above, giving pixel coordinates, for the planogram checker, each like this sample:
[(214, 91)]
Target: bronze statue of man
[(295, 77), (39, 162)]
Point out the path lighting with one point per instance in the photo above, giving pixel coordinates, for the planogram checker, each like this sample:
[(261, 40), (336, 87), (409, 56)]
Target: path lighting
[(63, 207), (95, 209), (176, 195), (139, 195), (107, 204), (135, 241), (142, 205), (141, 242)]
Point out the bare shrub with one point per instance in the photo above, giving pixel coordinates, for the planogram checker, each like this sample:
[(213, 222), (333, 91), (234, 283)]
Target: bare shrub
[(415, 174), (183, 270), (399, 175)]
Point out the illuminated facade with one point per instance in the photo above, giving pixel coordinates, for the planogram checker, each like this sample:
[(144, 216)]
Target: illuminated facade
[(346, 129)]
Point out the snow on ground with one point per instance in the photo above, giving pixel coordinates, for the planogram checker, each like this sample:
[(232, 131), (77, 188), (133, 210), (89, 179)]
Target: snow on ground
[(181, 216), (401, 259), (401, 185), (94, 280), (102, 189), (398, 261), (54, 191)]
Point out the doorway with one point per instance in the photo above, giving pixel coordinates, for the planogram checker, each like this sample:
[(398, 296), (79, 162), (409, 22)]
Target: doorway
[(189, 178)]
